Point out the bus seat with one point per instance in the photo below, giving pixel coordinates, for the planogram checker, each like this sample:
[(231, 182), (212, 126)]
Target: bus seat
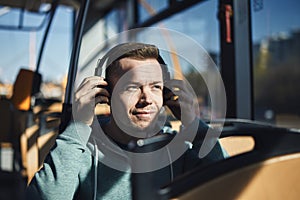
[(37, 136), (6, 120), (269, 169), (275, 178), (237, 145), (26, 85), (18, 142)]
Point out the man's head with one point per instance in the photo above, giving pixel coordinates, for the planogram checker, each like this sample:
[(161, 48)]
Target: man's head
[(138, 51), (136, 80)]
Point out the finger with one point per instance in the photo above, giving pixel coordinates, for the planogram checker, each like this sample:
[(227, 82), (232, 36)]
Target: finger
[(172, 97), (167, 93), (90, 84), (177, 87), (100, 91), (179, 94), (87, 80), (92, 94), (180, 89), (172, 103)]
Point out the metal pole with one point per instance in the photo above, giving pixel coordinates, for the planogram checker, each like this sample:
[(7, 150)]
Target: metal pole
[(67, 105), (53, 9)]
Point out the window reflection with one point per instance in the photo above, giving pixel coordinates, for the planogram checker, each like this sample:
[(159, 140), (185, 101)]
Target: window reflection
[(276, 46), (199, 23)]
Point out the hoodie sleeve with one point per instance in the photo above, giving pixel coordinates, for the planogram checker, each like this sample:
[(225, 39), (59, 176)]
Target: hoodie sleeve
[(58, 178)]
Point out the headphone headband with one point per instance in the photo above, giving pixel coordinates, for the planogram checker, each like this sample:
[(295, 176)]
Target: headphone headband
[(118, 51)]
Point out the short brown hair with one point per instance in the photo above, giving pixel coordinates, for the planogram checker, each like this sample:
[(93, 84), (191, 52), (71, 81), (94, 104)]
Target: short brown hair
[(143, 52)]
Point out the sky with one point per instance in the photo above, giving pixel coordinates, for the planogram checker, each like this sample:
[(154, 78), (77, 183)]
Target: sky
[(199, 22)]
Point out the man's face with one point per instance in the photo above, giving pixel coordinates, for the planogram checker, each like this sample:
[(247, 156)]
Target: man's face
[(137, 93)]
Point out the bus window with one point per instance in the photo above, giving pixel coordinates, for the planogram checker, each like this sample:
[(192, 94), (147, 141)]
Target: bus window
[(35, 51), (276, 47), (198, 23), (147, 8), (20, 49)]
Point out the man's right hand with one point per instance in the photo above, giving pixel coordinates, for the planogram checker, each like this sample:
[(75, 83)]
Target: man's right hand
[(89, 93)]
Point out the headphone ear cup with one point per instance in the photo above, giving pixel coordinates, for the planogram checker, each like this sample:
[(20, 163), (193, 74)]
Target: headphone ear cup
[(166, 93), (109, 90), (164, 68)]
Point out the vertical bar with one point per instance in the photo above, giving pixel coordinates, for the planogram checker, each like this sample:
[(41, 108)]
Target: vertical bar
[(228, 55), (67, 105), (21, 18), (243, 59), (132, 12), (236, 53), (52, 12)]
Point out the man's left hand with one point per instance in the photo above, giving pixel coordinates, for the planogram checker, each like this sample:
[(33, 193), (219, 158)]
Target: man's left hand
[(181, 100)]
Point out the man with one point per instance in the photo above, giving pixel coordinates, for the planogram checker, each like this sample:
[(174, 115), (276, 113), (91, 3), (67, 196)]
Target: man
[(105, 165)]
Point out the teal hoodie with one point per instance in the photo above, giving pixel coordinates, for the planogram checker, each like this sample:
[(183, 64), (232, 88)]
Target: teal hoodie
[(72, 171)]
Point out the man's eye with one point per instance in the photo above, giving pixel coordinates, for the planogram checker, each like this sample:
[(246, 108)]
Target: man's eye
[(157, 87), (132, 88)]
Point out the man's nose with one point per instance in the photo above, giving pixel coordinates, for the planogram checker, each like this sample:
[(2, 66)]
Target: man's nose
[(146, 96)]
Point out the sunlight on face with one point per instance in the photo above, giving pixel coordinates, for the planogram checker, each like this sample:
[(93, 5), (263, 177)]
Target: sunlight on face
[(138, 93)]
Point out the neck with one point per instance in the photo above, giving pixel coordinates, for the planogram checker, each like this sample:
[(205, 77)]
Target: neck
[(112, 130)]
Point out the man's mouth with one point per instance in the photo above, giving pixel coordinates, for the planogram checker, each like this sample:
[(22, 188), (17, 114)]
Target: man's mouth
[(144, 114)]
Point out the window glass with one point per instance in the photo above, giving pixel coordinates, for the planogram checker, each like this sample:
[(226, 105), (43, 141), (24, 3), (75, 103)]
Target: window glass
[(200, 24), (276, 47), (147, 8), (11, 17), (94, 43), (20, 49), (112, 21)]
